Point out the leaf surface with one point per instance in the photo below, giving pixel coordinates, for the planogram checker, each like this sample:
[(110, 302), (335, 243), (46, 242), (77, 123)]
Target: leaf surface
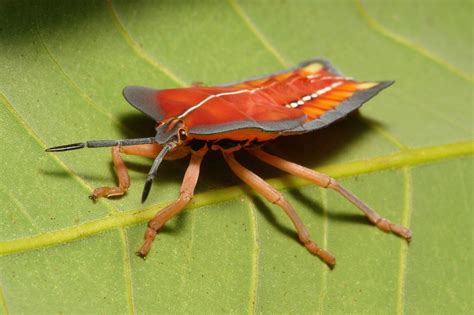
[(409, 155)]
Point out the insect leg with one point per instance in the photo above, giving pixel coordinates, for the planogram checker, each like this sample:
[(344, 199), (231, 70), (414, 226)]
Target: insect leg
[(274, 196), (185, 194), (147, 150), (326, 181)]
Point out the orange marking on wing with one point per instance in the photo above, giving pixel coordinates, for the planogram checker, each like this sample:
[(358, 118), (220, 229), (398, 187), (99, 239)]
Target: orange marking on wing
[(283, 76), (338, 95), (241, 85), (322, 102), (313, 112), (257, 83), (349, 87)]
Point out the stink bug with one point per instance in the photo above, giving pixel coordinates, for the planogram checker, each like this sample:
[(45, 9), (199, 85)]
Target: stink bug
[(241, 115)]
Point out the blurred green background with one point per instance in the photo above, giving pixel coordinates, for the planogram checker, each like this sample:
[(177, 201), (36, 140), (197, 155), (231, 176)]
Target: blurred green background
[(63, 65)]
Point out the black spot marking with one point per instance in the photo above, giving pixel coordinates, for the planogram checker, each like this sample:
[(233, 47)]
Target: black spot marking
[(227, 143), (254, 143), (196, 144), (209, 144)]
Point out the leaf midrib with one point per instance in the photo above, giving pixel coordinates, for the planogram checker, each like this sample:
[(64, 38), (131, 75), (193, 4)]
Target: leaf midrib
[(399, 39), (397, 160)]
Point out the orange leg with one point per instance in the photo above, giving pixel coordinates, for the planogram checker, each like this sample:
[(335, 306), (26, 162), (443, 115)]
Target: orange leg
[(326, 181), (147, 150), (185, 195), (272, 195)]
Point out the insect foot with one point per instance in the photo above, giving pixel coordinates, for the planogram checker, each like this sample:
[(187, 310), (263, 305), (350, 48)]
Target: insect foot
[(106, 192), (325, 256), (387, 226), (149, 237)]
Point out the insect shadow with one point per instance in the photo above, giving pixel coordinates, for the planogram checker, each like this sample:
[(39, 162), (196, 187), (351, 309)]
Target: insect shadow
[(311, 150)]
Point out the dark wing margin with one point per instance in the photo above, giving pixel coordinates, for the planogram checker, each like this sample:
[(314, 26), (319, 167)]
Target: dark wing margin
[(145, 100), (342, 110), (269, 126)]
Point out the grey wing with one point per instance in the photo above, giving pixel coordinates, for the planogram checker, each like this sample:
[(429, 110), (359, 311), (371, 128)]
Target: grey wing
[(145, 100)]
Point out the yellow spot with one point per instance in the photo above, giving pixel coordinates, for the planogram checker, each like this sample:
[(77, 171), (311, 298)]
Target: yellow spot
[(313, 67), (366, 85)]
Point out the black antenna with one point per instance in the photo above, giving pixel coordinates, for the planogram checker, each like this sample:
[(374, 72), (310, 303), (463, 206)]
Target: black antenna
[(101, 143), (124, 142), (154, 168)]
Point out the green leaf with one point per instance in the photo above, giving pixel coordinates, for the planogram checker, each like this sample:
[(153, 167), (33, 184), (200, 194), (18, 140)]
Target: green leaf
[(63, 65)]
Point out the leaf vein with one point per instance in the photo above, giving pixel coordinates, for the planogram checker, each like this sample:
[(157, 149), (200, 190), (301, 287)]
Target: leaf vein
[(325, 270), (21, 207), (407, 211), (397, 38), (188, 255), (258, 34), (127, 269), (254, 284), (78, 89), (137, 49), (3, 301), (54, 157)]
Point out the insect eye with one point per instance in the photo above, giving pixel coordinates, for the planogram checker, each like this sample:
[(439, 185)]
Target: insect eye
[(183, 135)]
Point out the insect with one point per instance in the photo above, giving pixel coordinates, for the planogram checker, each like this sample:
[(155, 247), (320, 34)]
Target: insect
[(235, 116)]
